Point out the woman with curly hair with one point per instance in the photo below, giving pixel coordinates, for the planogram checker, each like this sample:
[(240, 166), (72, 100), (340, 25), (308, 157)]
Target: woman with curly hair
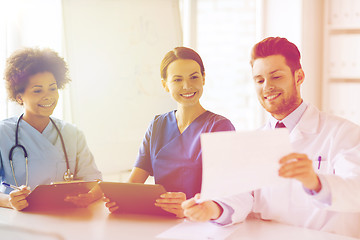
[(34, 147)]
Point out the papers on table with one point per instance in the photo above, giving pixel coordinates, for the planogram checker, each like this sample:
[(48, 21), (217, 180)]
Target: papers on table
[(198, 231), (235, 162)]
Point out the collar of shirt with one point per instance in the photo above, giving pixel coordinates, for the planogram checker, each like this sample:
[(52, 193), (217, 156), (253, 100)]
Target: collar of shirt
[(292, 119)]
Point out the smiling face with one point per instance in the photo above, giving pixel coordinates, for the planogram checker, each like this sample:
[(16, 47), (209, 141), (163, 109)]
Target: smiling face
[(278, 90), (184, 82), (40, 96)]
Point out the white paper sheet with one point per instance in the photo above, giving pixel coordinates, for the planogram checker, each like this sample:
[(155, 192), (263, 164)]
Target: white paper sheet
[(235, 162), (198, 231)]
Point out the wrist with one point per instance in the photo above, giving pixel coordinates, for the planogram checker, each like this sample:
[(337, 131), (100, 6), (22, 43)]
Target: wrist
[(5, 200), (316, 187), (218, 210)]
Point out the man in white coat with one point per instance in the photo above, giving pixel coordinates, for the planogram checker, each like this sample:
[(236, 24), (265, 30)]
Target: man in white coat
[(323, 191)]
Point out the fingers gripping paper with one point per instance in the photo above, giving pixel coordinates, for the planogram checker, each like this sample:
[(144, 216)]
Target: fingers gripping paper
[(235, 162)]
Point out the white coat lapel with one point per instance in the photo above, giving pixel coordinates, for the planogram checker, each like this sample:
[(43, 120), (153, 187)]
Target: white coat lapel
[(308, 124)]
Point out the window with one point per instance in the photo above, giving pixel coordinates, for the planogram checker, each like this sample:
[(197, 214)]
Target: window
[(23, 23), (225, 33)]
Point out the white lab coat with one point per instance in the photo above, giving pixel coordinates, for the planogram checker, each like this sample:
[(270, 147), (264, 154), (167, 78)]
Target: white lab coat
[(337, 141)]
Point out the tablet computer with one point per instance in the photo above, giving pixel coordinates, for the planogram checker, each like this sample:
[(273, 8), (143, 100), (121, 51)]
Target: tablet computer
[(45, 197), (135, 198)]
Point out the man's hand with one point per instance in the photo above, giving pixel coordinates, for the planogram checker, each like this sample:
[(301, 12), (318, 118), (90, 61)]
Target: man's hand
[(300, 167), (201, 212)]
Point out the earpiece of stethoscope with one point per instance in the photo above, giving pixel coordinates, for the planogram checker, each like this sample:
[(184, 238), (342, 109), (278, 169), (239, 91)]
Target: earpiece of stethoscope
[(68, 176)]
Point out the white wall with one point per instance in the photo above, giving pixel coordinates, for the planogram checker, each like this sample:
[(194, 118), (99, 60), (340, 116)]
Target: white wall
[(114, 50), (283, 18)]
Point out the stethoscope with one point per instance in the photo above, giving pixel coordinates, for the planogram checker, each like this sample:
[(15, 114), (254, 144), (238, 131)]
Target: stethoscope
[(68, 176)]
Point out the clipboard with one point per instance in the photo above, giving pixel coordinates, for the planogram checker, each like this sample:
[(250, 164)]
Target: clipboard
[(135, 198), (47, 197)]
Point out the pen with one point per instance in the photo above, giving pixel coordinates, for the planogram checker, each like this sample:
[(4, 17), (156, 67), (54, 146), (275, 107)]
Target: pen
[(10, 186), (319, 160)]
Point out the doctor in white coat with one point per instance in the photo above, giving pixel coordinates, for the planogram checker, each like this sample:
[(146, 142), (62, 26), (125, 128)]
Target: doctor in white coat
[(323, 191)]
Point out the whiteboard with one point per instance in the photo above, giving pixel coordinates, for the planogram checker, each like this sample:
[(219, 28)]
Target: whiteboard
[(114, 49)]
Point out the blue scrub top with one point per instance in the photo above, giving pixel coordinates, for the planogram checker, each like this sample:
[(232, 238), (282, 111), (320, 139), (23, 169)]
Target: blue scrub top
[(174, 159), (45, 154)]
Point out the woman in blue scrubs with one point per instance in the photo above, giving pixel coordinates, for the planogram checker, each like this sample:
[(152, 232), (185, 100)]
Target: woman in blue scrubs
[(33, 77), (171, 150)]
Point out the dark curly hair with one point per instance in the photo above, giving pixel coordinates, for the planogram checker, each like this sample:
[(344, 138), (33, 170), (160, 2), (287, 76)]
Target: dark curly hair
[(24, 63)]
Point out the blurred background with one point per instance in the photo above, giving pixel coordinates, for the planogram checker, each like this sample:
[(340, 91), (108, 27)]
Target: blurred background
[(114, 49)]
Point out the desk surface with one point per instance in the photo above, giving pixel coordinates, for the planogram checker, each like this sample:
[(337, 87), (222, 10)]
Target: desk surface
[(95, 223)]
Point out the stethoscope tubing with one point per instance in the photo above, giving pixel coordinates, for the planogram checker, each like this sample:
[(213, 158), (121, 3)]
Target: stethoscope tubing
[(67, 175), (17, 145), (62, 144)]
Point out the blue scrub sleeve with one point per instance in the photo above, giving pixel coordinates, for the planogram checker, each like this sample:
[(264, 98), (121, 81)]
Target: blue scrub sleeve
[(223, 125), (2, 172), (143, 160), (1, 168)]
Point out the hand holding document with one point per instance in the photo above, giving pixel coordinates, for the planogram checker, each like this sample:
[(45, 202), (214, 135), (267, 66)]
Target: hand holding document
[(235, 162)]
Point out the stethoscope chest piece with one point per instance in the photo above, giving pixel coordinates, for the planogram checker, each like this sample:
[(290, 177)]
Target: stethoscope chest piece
[(68, 176)]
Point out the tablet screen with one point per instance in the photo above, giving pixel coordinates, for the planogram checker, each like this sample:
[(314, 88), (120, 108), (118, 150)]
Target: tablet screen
[(134, 197), (52, 196)]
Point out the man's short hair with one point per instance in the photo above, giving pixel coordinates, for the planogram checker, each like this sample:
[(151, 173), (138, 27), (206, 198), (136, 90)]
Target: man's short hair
[(277, 46)]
